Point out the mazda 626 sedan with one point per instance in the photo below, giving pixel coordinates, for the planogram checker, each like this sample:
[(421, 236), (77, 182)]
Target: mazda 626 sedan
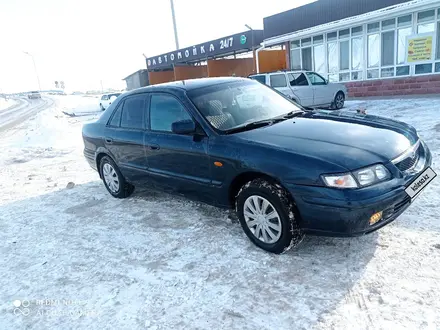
[(236, 143)]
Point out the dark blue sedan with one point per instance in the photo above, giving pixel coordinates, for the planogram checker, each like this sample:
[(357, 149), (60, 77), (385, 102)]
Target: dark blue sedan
[(235, 143)]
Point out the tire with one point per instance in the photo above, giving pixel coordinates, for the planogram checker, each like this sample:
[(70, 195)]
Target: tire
[(260, 192), (110, 173), (102, 108), (339, 100)]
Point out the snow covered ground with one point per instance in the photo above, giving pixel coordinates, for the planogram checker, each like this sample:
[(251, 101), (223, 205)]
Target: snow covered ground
[(76, 258), (4, 104)]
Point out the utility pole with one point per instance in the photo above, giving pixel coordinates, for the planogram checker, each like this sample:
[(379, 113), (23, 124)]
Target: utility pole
[(102, 88), (35, 68), (176, 38), (252, 41)]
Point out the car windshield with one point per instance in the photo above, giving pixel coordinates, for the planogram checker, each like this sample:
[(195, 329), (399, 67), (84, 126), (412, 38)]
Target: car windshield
[(232, 105)]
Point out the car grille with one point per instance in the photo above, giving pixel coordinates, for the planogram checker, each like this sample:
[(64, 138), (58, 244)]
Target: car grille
[(409, 162)]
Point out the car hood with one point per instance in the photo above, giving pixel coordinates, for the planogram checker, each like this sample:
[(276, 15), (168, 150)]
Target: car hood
[(348, 139)]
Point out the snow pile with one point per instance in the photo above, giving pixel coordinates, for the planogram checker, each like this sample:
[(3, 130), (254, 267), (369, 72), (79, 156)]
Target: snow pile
[(156, 261)]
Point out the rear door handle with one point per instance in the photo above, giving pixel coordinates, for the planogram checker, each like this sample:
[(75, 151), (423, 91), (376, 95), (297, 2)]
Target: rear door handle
[(154, 147), (109, 140)]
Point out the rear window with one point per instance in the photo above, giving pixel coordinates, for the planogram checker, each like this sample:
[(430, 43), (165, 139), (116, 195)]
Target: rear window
[(278, 80), (259, 78)]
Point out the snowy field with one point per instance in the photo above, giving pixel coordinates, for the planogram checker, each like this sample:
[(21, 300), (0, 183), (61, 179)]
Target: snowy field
[(155, 261), (4, 104)]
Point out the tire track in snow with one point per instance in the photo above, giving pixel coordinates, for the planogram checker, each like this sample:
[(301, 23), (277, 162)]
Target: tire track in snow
[(17, 114)]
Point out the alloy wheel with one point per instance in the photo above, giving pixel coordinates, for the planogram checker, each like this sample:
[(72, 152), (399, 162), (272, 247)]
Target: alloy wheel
[(262, 219), (339, 101), (110, 177)]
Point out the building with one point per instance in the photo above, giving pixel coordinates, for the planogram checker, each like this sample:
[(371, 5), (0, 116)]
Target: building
[(375, 47), (137, 79), (228, 56)]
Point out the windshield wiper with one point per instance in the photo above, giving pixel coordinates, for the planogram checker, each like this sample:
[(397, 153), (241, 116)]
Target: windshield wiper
[(292, 114), (251, 125)]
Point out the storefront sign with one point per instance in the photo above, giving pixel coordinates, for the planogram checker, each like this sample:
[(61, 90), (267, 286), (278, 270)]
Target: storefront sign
[(227, 45), (419, 48)]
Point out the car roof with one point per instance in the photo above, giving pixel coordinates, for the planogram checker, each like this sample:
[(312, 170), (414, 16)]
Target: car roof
[(280, 71), (187, 85)]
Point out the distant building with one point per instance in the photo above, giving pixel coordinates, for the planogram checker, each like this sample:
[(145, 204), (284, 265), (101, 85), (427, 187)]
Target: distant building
[(137, 79)]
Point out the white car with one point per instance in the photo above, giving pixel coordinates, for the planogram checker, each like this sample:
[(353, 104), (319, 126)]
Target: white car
[(34, 95), (107, 99), (307, 88)]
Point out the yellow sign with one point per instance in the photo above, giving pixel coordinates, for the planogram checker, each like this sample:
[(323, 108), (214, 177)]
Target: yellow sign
[(419, 49)]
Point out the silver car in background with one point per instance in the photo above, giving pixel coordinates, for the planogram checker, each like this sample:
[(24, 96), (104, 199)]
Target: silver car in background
[(307, 88)]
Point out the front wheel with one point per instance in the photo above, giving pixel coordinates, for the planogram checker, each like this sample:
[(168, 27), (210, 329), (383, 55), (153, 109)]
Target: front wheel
[(102, 108), (113, 179), (268, 216)]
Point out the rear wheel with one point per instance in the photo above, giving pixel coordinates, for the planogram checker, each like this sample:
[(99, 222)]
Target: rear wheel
[(113, 179), (268, 216), (339, 101)]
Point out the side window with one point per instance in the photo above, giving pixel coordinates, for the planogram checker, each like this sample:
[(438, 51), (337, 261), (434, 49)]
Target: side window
[(133, 112), (165, 110), (315, 79), (298, 80), (260, 78), (116, 119), (278, 80)]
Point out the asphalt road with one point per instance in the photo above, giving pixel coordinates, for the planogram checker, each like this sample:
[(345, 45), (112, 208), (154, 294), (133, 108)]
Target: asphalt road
[(24, 109)]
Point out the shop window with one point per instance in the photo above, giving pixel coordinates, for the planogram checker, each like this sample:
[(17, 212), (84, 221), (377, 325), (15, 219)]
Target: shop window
[(356, 53), (401, 44), (332, 51), (373, 50), (373, 27), (402, 70), (423, 68), (332, 36), (294, 44), (404, 20), (426, 27), (306, 54), (373, 74), (388, 24), (437, 67), (438, 41), (333, 77), (426, 16), (318, 39), (344, 33), (388, 48), (344, 55), (344, 76), (319, 58), (356, 75), (295, 59), (387, 72), (306, 42), (356, 31)]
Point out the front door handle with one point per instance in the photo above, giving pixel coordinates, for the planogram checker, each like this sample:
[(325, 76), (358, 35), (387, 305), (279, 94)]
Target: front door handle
[(109, 140), (154, 147)]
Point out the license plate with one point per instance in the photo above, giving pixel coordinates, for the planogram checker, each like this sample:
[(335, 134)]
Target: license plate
[(420, 183)]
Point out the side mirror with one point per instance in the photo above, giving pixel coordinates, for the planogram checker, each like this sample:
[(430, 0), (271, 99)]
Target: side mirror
[(184, 127), (326, 81)]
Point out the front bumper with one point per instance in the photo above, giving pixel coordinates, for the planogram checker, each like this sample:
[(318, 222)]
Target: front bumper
[(332, 212)]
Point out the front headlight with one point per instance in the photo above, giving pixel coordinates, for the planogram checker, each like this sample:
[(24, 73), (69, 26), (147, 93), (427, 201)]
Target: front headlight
[(360, 178), (371, 175)]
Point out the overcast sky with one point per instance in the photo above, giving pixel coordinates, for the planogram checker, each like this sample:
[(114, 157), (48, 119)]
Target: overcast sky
[(85, 41)]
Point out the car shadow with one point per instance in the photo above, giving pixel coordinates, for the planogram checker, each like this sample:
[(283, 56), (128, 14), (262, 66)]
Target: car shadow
[(169, 259)]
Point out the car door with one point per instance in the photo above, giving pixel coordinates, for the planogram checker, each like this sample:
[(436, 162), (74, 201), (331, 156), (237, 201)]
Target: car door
[(322, 93), (302, 90), (124, 137), (176, 162)]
